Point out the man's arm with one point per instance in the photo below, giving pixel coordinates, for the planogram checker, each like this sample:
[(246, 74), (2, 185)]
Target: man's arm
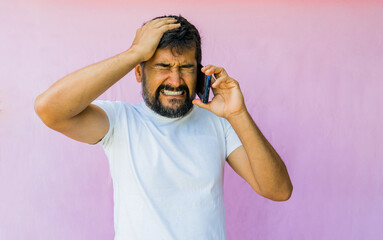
[(65, 106), (256, 161), (268, 169)]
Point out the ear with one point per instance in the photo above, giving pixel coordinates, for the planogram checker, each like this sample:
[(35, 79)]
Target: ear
[(138, 72)]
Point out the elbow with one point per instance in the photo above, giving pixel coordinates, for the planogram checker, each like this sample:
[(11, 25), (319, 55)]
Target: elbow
[(281, 194), (41, 109), (38, 107), (280, 197), (285, 190), (287, 195)]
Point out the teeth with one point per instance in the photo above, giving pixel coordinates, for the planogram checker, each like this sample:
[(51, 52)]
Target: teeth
[(167, 92)]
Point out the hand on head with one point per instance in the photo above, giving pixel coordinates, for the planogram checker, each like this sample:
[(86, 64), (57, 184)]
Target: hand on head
[(148, 36)]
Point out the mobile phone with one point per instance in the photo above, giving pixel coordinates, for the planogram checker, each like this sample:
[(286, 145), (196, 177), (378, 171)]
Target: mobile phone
[(203, 85)]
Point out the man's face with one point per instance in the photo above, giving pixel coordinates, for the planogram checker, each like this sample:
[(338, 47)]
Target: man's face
[(168, 82)]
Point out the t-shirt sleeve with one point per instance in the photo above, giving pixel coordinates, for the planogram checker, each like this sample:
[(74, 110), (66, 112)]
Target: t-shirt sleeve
[(111, 110), (231, 138)]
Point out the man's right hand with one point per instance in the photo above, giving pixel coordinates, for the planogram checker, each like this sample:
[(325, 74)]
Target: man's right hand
[(148, 36)]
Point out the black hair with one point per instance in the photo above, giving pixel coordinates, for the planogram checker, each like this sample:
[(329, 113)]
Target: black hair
[(184, 37)]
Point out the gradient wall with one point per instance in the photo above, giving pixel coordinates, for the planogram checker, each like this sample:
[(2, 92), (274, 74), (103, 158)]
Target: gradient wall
[(312, 78)]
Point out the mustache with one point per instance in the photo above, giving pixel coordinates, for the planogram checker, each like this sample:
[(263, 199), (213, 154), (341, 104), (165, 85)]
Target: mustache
[(170, 88)]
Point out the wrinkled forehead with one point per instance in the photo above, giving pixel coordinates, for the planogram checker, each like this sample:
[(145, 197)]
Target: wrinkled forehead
[(174, 55)]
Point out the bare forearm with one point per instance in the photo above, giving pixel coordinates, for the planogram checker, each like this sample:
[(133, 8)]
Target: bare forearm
[(73, 93), (268, 168)]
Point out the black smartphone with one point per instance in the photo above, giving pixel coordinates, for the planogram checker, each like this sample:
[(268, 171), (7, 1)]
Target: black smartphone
[(203, 85)]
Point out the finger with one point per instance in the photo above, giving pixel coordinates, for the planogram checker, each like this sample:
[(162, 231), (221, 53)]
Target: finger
[(216, 83), (158, 20), (209, 68), (168, 27), (151, 22), (225, 82), (205, 68), (217, 71), (163, 22), (200, 104), (219, 84)]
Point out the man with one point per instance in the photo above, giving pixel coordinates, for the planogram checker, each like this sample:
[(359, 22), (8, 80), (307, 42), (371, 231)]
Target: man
[(166, 154)]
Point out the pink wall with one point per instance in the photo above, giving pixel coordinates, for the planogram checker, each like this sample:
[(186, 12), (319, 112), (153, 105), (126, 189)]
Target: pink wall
[(312, 77)]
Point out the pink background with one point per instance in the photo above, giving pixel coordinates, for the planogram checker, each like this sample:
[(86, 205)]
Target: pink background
[(312, 77)]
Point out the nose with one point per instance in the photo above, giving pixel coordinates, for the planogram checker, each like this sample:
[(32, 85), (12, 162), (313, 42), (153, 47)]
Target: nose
[(175, 77)]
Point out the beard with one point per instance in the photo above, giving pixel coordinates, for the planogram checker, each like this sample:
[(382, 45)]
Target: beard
[(155, 104)]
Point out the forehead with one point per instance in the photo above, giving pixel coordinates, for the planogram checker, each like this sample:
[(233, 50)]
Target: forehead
[(169, 56)]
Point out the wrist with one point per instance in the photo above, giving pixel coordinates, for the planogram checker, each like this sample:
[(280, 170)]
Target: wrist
[(134, 55), (238, 115)]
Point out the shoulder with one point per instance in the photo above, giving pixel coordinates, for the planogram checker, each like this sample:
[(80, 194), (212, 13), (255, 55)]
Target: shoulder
[(108, 104), (114, 105), (115, 109)]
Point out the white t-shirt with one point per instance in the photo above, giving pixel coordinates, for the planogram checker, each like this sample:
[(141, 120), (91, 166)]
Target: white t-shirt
[(167, 172)]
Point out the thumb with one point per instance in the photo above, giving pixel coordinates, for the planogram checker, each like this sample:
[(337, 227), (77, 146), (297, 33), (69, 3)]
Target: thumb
[(200, 104)]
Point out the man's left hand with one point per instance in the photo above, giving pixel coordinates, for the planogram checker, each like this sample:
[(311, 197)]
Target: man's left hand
[(228, 99)]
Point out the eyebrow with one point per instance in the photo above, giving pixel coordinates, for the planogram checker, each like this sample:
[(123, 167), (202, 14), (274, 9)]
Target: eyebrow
[(168, 65)]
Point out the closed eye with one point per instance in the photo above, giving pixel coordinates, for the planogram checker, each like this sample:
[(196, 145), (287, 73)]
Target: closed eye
[(162, 65), (166, 67), (188, 68)]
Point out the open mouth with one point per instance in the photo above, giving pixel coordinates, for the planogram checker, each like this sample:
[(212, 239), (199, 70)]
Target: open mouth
[(172, 93)]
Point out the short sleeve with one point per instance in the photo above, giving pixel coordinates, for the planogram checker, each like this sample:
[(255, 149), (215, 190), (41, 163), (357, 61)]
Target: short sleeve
[(111, 108), (231, 138)]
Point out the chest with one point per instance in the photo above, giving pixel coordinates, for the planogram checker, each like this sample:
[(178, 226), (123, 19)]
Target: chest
[(176, 159)]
